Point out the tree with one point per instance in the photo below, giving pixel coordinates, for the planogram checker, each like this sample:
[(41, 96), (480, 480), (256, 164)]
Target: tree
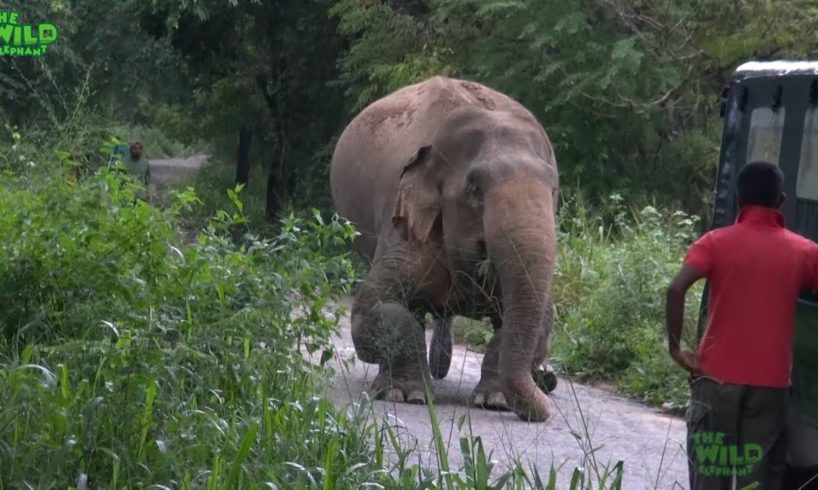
[(627, 89), (115, 66), (280, 56)]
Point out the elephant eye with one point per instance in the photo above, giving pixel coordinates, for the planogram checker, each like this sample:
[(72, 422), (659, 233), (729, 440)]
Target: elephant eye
[(473, 188)]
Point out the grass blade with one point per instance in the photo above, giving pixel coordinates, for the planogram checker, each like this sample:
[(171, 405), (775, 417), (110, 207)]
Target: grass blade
[(244, 449)]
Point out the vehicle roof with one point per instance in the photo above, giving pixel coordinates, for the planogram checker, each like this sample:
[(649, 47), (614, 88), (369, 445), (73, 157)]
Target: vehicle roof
[(776, 68)]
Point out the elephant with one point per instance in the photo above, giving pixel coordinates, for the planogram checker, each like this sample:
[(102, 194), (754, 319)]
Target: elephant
[(453, 189)]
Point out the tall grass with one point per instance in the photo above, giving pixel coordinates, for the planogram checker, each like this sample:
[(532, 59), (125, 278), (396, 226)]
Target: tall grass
[(610, 291), (128, 358)]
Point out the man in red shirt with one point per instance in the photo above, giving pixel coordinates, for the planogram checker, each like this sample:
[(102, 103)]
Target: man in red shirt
[(740, 374)]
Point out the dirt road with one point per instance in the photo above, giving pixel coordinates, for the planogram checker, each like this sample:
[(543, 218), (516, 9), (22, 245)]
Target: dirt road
[(590, 425), (168, 171)]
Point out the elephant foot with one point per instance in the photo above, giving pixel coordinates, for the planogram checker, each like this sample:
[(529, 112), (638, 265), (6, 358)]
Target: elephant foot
[(440, 348), (526, 399), (546, 378), (401, 386), (489, 394)]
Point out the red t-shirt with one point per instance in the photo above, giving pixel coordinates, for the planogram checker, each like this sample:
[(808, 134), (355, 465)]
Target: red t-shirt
[(756, 269)]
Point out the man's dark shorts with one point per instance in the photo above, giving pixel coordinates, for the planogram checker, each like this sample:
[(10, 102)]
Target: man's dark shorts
[(736, 431)]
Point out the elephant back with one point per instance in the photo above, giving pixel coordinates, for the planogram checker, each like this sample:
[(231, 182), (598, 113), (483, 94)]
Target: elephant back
[(378, 142)]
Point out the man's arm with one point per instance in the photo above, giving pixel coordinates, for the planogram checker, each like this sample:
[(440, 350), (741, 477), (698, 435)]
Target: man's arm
[(811, 270), (674, 316)]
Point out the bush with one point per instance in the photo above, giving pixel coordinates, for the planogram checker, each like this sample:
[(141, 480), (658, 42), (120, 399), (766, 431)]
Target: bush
[(130, 358), (212, 183), (609, 291)]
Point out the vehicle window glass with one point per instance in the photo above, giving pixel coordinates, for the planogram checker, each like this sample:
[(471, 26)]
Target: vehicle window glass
[(807, 185), (766, 129)]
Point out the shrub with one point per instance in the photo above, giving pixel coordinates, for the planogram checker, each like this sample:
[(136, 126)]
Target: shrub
[(610, 289), (130, 358), (212, 183)]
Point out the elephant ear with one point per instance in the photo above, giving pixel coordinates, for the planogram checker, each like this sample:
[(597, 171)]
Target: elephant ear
[(417, 205)]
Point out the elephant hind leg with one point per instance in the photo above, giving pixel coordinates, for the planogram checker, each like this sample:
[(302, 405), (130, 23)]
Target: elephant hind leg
[(440, 348)]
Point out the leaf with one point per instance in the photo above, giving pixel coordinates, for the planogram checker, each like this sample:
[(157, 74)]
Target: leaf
[(247, 441)]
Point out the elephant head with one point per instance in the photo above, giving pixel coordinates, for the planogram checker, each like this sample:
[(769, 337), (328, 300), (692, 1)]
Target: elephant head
[(485, 186)]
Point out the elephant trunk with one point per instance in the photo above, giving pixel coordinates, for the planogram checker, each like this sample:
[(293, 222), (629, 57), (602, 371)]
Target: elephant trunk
[(519, 223)]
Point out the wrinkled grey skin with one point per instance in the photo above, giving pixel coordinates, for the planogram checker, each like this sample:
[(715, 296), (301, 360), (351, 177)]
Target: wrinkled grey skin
[(453, 187)]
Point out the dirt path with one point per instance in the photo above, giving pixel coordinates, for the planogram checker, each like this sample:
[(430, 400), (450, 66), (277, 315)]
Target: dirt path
[(168, 171), (587, 421)]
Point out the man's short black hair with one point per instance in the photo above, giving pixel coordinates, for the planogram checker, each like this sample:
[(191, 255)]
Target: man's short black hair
[(760, 184)]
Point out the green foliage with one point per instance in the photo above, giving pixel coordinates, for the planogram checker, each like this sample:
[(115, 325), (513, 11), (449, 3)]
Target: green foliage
[(212, 183), (312, 180), (627, 91), (609, 290), (475, 334), (102, 54), (129, 357), (390, 51)]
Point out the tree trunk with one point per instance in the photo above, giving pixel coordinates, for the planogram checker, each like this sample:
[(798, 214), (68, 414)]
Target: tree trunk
[(243, 159), (273, 205), (409, 7), (276, 184)]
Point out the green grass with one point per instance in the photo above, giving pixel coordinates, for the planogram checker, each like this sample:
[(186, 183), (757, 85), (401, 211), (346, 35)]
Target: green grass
[(130, 358), (610, 291), (212, 184)]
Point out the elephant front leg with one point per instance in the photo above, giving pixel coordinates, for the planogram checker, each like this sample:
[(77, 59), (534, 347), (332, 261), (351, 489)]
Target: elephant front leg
[(489, 392), (390, 336), (385, 330)]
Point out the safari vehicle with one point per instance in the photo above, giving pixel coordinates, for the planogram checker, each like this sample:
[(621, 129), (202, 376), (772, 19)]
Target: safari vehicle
[(770, 112)]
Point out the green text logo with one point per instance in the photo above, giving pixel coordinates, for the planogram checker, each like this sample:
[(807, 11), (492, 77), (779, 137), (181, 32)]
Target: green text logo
[(715, 458), (17, 39)]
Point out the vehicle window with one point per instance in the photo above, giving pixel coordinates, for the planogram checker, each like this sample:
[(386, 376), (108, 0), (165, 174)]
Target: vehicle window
[(807, 185), (766, 129)]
